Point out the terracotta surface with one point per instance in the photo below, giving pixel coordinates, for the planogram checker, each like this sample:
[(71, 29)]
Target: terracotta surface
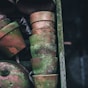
[(42, 24), (45, 81), (41, 15), (11, 41)]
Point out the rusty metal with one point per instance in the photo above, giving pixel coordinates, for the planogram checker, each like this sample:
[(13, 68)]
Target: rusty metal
[(12, 75)]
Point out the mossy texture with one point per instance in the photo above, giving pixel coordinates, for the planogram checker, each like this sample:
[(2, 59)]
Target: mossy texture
[(44, 65)]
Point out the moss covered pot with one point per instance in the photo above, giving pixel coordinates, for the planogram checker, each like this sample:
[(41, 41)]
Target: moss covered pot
[(43, 49), (12, 75), (46, 64), (11, 40), (44, 37), (45, 81)]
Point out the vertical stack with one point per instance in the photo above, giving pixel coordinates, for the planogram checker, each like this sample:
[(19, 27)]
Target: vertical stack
[(43, 49)]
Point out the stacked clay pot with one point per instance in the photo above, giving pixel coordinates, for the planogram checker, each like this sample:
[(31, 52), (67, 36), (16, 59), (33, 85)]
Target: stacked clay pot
[(11, 40), (43, 49)]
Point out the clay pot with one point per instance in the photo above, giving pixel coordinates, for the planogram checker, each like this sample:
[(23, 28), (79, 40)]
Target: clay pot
[(46, 64), (42, 24), (45, 81), (43, 49), (11, 40), (43, 30), (4, 22), (42, 15), (45, 38), (12, 75), (43, 27)]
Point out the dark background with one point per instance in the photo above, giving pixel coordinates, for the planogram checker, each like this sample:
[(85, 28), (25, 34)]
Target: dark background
[(75, 23)]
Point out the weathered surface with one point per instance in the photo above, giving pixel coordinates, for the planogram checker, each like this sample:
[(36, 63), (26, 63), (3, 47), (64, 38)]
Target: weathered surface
[(42, 15), (61, 44), (11, 41), (13, 75), (4, 22), (46, 64), (45, 81)]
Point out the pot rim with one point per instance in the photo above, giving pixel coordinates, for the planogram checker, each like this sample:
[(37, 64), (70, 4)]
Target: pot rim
[(42, 16), (45, 75), (8, 28)]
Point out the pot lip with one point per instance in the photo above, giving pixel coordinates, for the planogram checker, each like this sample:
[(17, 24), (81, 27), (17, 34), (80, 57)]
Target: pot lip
[(41, 11), (35, 17), (8, 28), (45, 75), (43, 21)]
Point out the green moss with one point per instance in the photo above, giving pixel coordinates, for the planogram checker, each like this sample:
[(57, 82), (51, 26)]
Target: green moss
[(47, 47), (46, 65), (9, 27), (36, 39)]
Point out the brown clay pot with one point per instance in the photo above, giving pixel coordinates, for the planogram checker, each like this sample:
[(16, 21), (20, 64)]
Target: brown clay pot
[(43, 27), (12, 75), (43, 30), (46, 64), (41, 15), (42, 24), (11, 40), (45, 81)]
